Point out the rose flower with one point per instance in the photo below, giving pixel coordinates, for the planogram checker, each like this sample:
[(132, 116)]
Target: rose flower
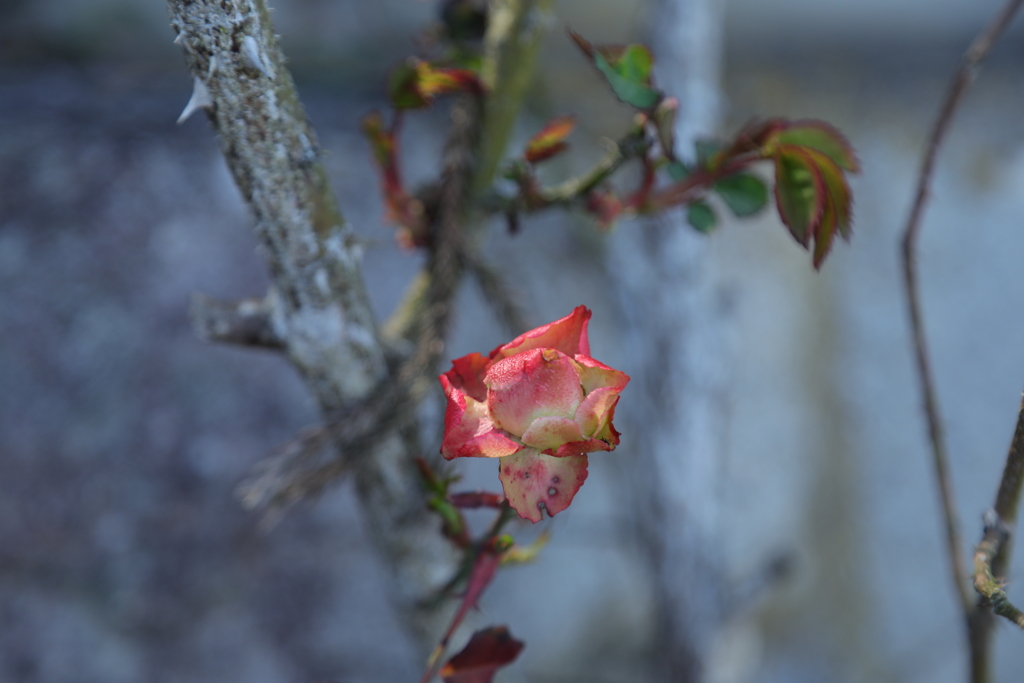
[(539, 403)]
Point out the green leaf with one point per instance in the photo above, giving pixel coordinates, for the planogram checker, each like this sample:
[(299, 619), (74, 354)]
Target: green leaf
[(701, 217), (822, 137), (635, 63), (799, 192), (627, 70), (706, 149), (743, 193), (632, 92), (677, 170)]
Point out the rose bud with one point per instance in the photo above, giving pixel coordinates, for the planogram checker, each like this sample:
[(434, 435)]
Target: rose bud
[(539, 403)]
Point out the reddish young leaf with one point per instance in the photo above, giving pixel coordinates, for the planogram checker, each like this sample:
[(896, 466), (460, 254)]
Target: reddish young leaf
[(382, 142), (799, 192), (825, 233), (487, 651), (550, 140), (822, 137), (400, 207), (415, 83), (485, 566), (838, 191)]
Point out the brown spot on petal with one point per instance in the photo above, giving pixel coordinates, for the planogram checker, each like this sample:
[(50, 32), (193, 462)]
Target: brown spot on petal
[(554, 479), (549, 355)]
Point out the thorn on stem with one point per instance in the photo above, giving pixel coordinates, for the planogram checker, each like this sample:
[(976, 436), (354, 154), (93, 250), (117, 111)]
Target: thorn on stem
[(200, 99)]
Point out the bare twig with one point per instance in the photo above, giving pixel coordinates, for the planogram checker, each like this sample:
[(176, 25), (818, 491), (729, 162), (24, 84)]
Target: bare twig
[(965, 74), (498, 293)]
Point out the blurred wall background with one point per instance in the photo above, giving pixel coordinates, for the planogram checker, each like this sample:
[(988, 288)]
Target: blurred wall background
[(124, 554)]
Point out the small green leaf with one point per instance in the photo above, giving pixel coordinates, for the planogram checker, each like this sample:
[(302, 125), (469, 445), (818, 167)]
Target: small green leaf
[(632, 92), (627, 70), (706, 149), (635, 63), (701, 217), (799, 192), (743, 193), (822, 137), (677, 170)]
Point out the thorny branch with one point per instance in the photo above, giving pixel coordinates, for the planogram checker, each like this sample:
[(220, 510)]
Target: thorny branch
[(965, 74)]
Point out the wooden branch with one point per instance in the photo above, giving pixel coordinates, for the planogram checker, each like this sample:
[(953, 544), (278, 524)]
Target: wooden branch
[(317, 303), (977, 52), (245, 323), (498, 294)]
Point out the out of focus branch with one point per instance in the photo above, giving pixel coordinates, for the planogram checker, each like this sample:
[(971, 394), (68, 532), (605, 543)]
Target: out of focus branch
[(977, 625)]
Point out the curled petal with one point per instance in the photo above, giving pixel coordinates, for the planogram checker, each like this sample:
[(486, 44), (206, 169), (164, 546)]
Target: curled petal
[(568, 335), (530, 385), (467, 374), (594, 415), (550, 433), (534, 482), (469, 431), (595, 374)]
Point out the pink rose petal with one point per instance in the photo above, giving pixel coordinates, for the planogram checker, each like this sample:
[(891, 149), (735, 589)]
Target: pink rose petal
[(534, 482), (551, 433), (568, 335), (530, 385), (467, 374), (469, 431), (594, 374), (596, 411)]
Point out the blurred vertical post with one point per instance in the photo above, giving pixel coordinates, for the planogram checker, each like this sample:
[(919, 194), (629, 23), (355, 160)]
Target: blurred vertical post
[(678, 327)]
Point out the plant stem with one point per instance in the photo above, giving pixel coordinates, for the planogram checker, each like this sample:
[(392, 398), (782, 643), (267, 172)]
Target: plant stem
[(965, 74)]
